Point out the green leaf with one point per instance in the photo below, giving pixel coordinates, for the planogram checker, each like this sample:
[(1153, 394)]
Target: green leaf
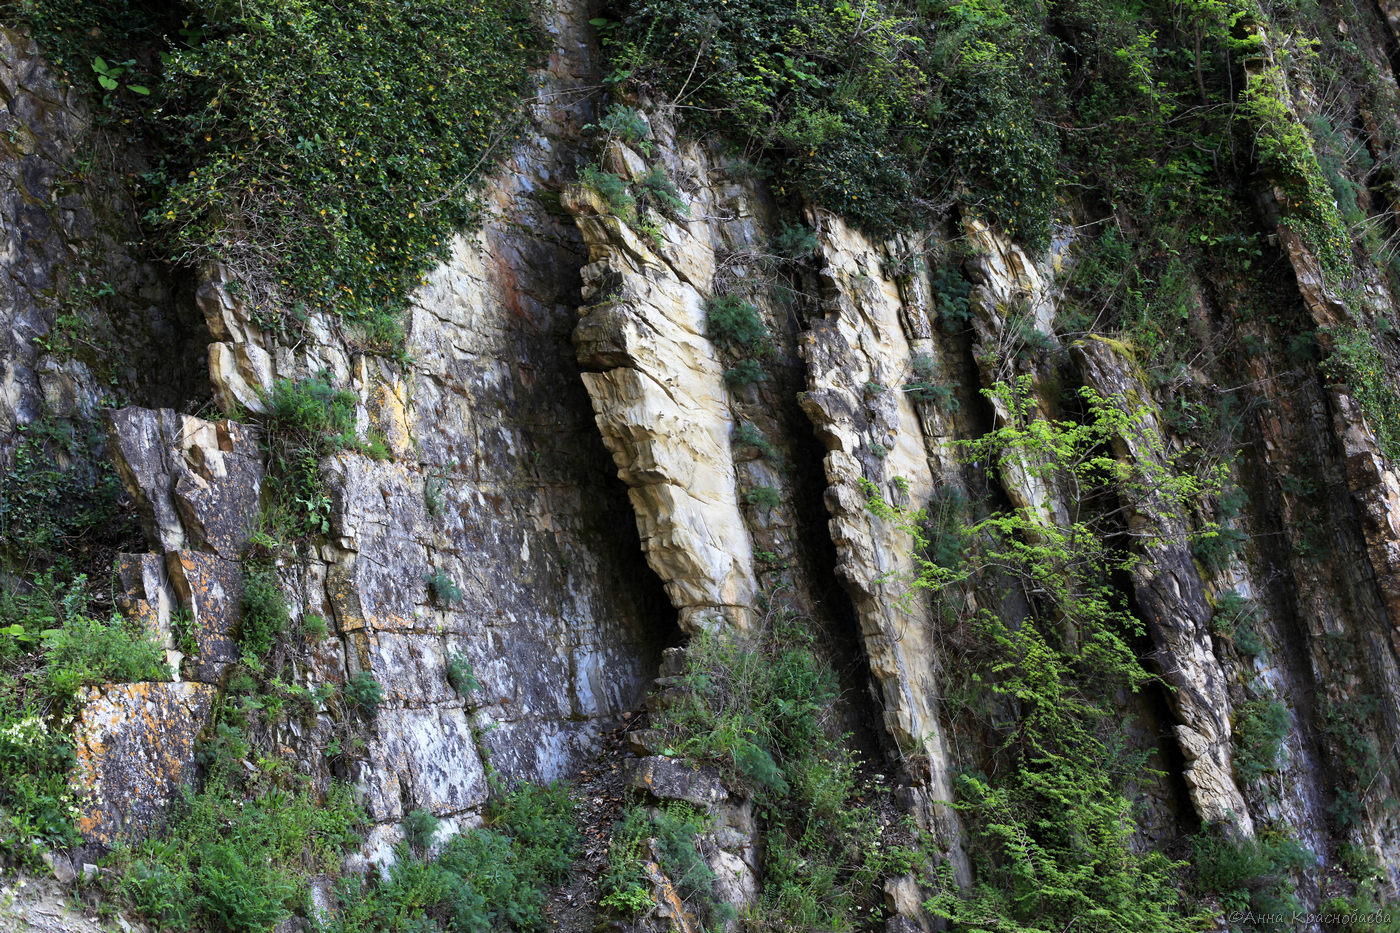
[(99, 65), (138, 89), (600, 21), (107, 82)]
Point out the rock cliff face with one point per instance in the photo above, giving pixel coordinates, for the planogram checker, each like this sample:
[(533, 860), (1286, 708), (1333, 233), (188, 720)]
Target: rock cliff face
[(562, 444)]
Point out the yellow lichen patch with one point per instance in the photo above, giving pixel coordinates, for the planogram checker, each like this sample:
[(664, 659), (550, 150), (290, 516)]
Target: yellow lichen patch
[(391, 417)]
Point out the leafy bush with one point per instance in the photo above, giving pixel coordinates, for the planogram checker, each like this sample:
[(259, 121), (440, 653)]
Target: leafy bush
[(483, 880), (1356, 360), (59, 499), (674, 829), (364, 694), (734, 325), (327, 162), (444, 590), (1260, 727), (265, 616), (460, 674)]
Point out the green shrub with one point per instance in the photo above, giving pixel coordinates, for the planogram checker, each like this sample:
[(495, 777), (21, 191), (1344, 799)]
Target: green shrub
[(746, 435), (1260, 727), (764, 498), (674, 828), (483, 880), (460, 674), (343, 156), (265, 617), (663, 194), (238, 858), (794, 241), (734, 325), (745, 372), (444, 590), (614, 189), (364, 694), (760, 709), (419, 828), (1357, 361), (1248, 874), (59, 499), (626, 124)]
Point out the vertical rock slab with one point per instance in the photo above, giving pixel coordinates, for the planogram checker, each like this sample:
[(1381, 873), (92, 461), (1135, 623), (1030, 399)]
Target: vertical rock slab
[(135, 751), (1171, 598), (862, 343), (658, 395)]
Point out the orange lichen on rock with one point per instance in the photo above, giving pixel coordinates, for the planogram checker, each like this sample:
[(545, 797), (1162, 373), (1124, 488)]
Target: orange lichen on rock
[(135, 750)]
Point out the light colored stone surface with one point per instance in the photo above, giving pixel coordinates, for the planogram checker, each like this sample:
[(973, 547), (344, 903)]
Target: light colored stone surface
[(862, 340), (658, 393), (135, 750)]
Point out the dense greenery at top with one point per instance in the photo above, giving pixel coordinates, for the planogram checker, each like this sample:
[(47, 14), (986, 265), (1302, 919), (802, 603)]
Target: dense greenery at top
[(871, 111), (326, 152)]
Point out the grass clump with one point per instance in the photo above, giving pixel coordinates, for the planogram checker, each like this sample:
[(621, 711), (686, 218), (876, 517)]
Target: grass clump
[(482, 881), (761, 710), (1248, 874), (443, 588), (238, 857), (265, 616)]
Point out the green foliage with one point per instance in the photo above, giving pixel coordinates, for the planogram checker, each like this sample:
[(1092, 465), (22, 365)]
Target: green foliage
[(1248, 874), (328, 162), (745, 372), (668, 832), (1260, 727), (662, 193), (614, 189), (1355, 757), (86, 651), (483, 880), (1286, 150), (734, 325), (746, 435), (764, 498), (1050, 824), (265, 616), (923, 387), (59, 499), (460, 674), (419, 828), (794, 241), (626, 124), (51, 647), (760, 708), (364, 694), (238, 858), (1236, 618), (861, 107), (443, 588), (1357, 361)]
